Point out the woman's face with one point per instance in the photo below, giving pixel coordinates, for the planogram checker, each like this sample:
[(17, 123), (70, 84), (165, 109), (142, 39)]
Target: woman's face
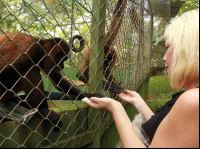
[(168, 58)]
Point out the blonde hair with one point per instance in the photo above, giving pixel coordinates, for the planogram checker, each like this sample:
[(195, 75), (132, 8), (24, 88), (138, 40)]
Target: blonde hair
[(183, 35)]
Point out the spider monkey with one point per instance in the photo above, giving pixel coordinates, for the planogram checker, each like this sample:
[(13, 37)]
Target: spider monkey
[(21, 59), (110, 55)]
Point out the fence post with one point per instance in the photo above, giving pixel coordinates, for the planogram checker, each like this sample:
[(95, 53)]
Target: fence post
[(96, 60), (151, 34)]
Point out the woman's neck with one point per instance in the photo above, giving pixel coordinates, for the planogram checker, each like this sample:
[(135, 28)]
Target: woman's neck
[(189, 86)]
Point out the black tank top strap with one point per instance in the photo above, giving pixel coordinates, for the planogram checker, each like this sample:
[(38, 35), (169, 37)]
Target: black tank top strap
[(152, 124), (171, 102)]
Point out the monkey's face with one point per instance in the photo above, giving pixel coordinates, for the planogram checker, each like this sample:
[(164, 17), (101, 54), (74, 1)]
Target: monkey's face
[(57, 60), (56, 53), (61, 52), (60, 59)]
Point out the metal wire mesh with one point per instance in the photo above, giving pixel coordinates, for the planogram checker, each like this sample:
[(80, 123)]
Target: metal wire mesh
[(41, 21)]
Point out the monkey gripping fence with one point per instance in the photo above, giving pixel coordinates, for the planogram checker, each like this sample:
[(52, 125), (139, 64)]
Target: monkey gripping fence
[(82, 126)]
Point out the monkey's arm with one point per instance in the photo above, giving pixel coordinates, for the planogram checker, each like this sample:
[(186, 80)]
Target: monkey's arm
[(116, 21), (83, 72), (65, 86), (112, 84)]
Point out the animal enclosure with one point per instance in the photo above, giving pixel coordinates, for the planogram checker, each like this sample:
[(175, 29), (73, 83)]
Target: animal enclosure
[(53, 53)]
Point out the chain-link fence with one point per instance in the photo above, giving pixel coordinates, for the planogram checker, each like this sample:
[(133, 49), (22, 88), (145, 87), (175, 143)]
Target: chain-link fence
[(42, 81)]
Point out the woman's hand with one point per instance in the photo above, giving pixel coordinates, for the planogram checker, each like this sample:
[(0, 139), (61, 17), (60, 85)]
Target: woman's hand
[(136, 100), (105, 104), (131, 97)]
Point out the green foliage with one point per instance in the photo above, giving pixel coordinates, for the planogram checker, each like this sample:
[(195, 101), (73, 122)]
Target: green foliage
[(189, 5), (157, 31), (47, 19), (159, 92), (42, 17)]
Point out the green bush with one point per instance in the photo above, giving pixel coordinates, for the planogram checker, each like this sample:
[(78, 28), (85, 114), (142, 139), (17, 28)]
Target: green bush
[(159, 92)]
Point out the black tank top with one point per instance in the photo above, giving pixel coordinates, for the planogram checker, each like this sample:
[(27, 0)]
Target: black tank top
[(152, 124)]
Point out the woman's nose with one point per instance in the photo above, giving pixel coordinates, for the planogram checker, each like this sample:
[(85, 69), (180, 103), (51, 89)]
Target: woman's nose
[(164, 58)]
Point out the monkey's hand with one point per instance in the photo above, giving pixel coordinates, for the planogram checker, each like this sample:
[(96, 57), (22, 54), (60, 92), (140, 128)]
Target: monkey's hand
[(94, 95), (115, 88)]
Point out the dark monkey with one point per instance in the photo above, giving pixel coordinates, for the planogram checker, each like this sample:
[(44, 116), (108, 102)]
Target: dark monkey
[(21, 59), (110, 55)]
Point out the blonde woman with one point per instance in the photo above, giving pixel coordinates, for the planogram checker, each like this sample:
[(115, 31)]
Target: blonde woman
[(177, 123)]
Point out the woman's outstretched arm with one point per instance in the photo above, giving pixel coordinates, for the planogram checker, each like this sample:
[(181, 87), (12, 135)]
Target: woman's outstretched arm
[(128, 136)]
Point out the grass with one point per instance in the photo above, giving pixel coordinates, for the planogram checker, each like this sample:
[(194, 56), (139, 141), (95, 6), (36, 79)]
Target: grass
[(69, 106), (159, 92)]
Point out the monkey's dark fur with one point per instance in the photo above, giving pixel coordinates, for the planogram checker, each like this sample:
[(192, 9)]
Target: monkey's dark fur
[(22, 57)]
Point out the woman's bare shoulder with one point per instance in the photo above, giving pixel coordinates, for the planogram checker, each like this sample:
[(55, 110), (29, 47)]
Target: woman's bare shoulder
[(180, 128), (189, 98)]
